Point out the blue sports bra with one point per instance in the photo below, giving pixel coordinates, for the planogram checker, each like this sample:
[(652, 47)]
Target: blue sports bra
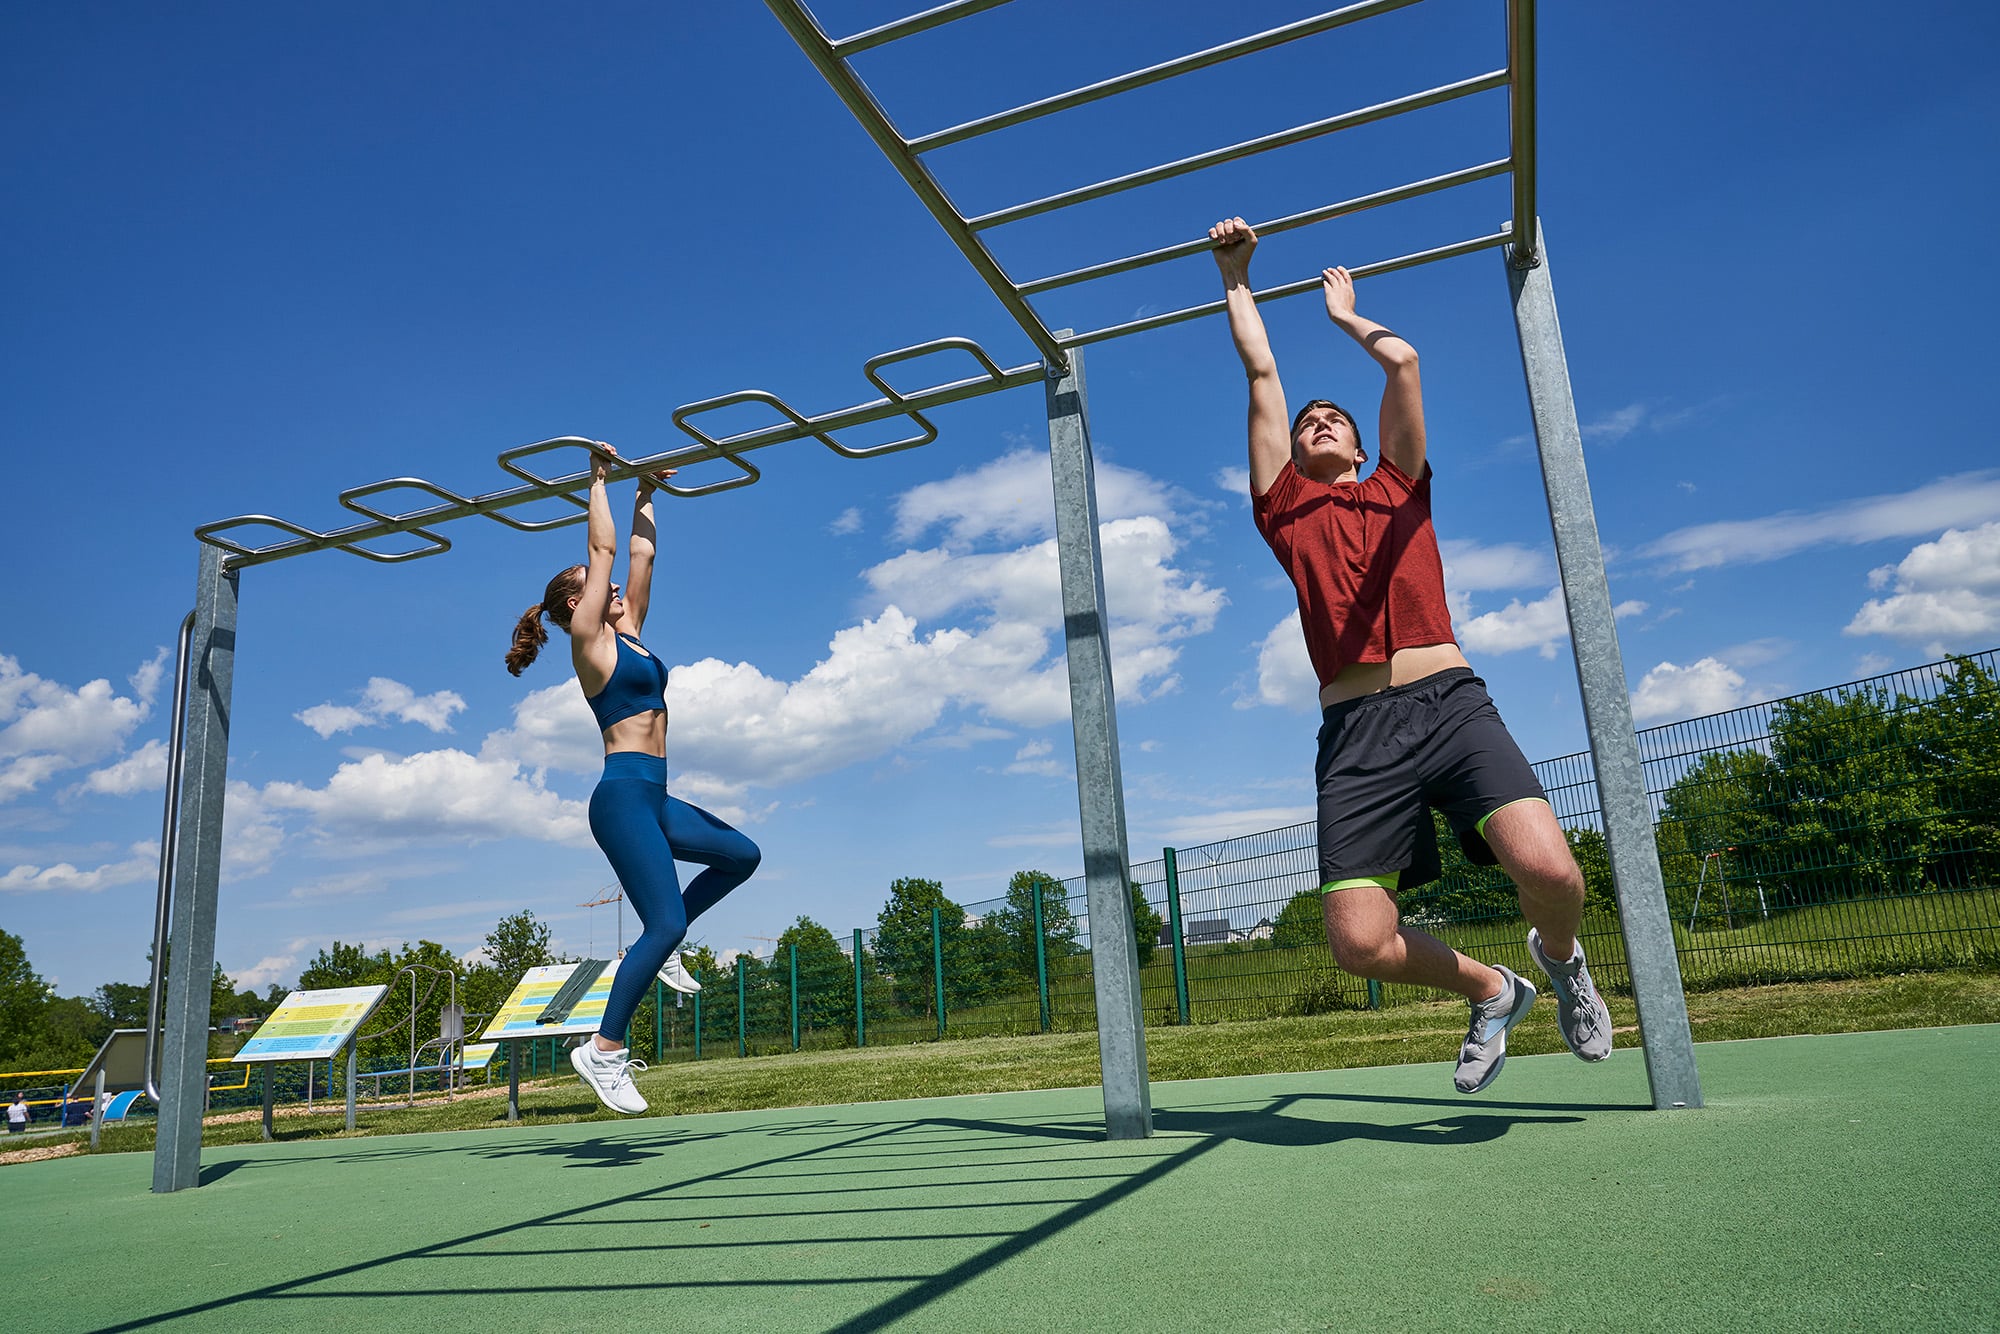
[(638, 685)]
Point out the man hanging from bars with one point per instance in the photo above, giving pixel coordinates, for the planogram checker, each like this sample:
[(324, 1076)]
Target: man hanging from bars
[(1406, 725)]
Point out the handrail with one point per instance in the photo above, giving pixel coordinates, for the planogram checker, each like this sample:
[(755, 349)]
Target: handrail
[(170, 826)]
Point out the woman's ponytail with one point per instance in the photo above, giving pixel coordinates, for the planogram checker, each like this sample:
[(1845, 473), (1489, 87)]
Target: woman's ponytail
[(528, 640)]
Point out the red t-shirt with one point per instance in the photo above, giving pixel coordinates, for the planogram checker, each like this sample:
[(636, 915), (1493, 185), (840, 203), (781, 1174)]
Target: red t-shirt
[(1364, 559)]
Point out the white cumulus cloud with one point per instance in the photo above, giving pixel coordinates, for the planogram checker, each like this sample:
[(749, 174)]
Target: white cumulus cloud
[(384, 701), (1541, 625), (46, 728), (141, 865), (1945, 594), (1671, 692), (144, 770), (1012, 499), (1285, 677), (430, 796)]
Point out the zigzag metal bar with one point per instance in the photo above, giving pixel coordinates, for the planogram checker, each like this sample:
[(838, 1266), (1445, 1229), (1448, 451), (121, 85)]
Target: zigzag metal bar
[(418, 522)]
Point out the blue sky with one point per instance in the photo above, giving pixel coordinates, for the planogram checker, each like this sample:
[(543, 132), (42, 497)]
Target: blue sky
[(256, 255)]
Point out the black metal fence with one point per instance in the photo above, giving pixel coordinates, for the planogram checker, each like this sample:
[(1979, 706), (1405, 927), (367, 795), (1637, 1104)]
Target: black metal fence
[(1847, 832)]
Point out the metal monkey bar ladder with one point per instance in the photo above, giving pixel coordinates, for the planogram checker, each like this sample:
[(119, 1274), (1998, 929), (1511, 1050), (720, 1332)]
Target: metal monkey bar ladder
[(192, 844)]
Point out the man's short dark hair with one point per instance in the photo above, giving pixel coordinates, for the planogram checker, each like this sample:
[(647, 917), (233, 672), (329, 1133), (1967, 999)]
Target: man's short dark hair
[(1326, 403)]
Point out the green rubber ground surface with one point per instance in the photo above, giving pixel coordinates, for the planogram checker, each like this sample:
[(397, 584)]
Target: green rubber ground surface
[(1832, 1182)]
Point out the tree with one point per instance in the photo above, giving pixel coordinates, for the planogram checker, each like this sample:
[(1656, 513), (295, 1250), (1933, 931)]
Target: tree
[(1724, 813), (826, 976), (700, 961), (903, 947), (1957, 734), (344, 965), (1301, 922), (518, 943), (1858, 819), (1593, 858), (120, 1004), (1016, 922), (1146, 924), (1463, 892), (23, 998), (225, 1002)]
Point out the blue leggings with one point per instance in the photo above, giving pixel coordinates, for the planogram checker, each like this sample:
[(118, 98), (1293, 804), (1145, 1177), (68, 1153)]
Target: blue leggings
[(643, 830)]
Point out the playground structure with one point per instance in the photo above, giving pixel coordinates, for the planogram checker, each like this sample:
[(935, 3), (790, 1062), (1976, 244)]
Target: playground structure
[(192, 822)]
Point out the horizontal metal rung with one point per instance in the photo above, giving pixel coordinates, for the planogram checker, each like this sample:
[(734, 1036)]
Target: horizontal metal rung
[(1484, 83), (1152, 74), (911, 26), (1409, 261), (1360, 203)]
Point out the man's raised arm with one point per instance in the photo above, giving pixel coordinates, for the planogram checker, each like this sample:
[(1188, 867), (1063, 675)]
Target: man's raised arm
[(1402, 420), (1270, 432)]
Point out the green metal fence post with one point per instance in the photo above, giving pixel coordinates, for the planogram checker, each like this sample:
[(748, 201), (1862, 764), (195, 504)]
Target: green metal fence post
[(1180, 937), (795, 996), (1041, 958), (860, 1014), (937, 963), (1374, 994), (742, 1007), (659, 1020), (697, 1020)]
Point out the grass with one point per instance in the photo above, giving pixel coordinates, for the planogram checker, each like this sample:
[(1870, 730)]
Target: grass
[(1419, 1032), (1825, 942)]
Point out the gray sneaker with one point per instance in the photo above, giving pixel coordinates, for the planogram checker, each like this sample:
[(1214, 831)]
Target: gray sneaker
[(1485, 1049), (1581, 1015)]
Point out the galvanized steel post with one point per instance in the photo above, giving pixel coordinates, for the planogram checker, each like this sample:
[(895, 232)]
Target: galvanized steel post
[(1174, 925), (1600, 671), (352, 1044), (1100, 787), (270, 1093), (183, 1079)]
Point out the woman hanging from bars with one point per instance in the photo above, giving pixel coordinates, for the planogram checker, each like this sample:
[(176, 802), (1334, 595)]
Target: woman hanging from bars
[(642, 827)]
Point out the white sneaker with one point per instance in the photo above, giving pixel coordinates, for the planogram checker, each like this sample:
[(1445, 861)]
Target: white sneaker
[(675, 974), (609, 1074)]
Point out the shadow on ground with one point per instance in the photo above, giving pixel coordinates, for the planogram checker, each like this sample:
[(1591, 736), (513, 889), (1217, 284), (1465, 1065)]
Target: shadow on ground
[(867, 1221)]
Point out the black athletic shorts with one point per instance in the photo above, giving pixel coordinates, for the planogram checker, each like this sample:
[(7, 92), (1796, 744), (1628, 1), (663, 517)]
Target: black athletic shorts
[(1386, 759)]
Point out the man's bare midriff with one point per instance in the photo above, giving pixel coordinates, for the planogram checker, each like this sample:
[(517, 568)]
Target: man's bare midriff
[(645, 733), (1404, 666)]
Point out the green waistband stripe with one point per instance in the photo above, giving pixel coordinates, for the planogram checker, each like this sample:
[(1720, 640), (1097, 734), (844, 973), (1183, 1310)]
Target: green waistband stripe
[(1481, 826), (1387, 882)]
